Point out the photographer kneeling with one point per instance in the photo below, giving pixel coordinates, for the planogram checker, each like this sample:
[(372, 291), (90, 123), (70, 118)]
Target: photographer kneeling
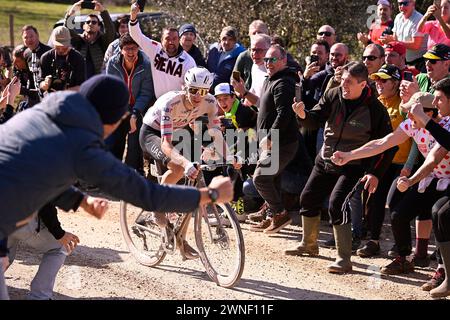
[(63, 67)]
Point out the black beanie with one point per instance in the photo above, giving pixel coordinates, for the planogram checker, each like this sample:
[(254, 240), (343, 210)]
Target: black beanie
[(108, 95)]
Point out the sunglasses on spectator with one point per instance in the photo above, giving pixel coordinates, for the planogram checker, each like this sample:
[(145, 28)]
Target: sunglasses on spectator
[(403, 3), (428, 109), (271, 60), (370, 58), (432, 61), (93, 22), (201, 91), (325, 33)]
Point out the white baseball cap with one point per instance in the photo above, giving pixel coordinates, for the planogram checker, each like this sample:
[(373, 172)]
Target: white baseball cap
[(223, 88)]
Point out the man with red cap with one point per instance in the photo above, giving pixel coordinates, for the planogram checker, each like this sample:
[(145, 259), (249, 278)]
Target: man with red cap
[(395, 53)]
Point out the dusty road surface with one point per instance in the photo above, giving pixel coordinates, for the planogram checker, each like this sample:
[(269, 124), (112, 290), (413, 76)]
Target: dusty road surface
[(102, 268)]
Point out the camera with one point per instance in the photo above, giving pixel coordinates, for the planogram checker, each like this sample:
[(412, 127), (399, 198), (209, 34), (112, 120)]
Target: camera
[(314, 58), (408, 76), (141, 4), (227, 123), (387, 31), (87, 4)]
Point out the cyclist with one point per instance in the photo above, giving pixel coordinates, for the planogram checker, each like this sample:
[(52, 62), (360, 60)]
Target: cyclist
[(174, 111)]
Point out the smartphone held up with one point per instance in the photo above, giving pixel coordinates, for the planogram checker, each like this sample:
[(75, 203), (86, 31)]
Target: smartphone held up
[(141, 4), (88, 4)]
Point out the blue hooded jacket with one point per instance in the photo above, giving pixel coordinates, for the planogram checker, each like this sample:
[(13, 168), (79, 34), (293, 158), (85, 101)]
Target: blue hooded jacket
[(46, 149)]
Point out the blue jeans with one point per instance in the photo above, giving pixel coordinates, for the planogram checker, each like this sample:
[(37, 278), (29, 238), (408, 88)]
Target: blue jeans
[(53, 257), (290, 183)]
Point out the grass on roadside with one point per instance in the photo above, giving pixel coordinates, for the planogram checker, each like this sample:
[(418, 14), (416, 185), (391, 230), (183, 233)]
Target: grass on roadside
[(38, 13)]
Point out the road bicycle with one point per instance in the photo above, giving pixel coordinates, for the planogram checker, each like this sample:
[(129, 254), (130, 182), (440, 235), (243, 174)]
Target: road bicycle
[(218, 236)]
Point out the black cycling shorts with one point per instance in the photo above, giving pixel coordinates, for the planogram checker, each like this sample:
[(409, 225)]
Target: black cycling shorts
[(150, 141)]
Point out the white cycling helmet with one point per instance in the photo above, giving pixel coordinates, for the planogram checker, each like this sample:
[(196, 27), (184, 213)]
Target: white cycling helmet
[(198, 77)]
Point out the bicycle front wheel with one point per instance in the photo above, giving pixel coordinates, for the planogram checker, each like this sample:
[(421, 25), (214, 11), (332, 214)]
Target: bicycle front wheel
[(221, 248), (143, 239)]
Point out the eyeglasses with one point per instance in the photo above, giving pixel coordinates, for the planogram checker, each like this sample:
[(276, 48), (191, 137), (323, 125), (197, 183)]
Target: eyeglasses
[(370, 58), (325, 33), (132, 48), (271, 60), (431, 61), (258, 50), (93, 22), (201, 91), (428, 109), (403, 3)]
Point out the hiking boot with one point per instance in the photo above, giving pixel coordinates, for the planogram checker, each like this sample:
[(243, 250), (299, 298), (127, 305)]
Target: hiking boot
[(370, 249), (421, 262), (308, 245), (330, 243), (398, 266), (279, 221), (260, 227), (443, 290), (393, 252), (435, 281), (259, 215)]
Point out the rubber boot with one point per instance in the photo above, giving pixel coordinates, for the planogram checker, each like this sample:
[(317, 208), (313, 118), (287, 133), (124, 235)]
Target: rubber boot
[(444, 289), (308, 245), (343, 236)]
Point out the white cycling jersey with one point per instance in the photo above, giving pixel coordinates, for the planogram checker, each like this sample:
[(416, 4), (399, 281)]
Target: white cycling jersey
[(170, 112), (168, 72)]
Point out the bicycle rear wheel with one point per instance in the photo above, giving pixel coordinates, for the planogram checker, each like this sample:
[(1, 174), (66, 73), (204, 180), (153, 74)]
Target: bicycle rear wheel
[(221, 249), (143, 241)]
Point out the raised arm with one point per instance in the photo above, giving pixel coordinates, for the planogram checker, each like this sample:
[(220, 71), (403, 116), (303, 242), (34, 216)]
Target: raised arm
[(432, 160), (371, 148)]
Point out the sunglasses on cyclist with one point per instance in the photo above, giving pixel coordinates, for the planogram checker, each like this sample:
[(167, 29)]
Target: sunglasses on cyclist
[(325, 33), (201, 91), (432, 61), (370, 58), (403, 3), (271, 60), (93, 22)]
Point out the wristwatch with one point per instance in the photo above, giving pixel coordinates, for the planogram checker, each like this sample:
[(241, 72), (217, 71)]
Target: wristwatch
[(213, 194)]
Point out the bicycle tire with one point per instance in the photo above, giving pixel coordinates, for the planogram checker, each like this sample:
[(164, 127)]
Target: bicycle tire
[(134, 243), (214, 256)]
